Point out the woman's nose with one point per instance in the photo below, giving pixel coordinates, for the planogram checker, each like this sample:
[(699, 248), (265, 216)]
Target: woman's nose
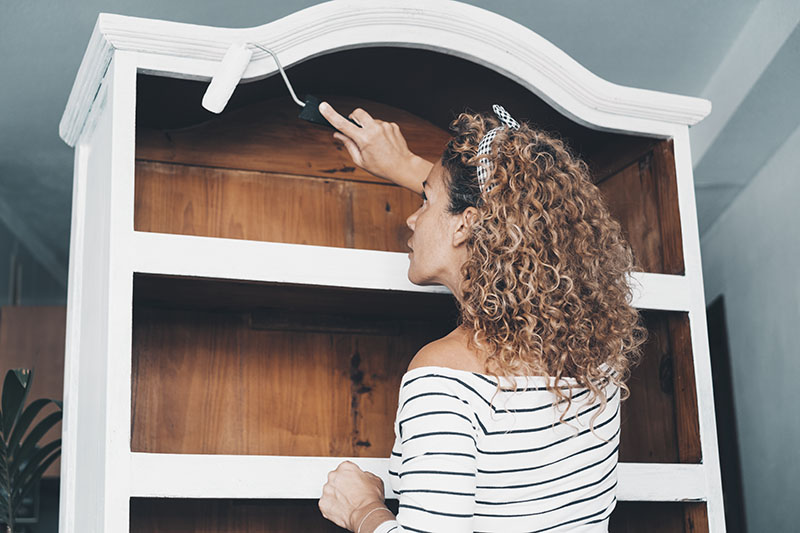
[(411, 221)]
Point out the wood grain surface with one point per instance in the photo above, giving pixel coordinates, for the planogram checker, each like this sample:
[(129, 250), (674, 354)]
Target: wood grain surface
[(246, 368)]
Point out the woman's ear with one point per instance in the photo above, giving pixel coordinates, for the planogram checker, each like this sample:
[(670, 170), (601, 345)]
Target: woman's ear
[(464, 222)]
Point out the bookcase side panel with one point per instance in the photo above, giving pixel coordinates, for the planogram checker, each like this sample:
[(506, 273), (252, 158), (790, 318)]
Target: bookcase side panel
[(707, 425), (82, 496)]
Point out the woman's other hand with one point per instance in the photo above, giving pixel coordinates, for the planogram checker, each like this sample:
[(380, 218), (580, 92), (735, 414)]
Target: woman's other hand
[(378, 147), (349, 494)]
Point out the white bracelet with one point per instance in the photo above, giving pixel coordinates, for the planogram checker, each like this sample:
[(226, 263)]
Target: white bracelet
[(366, 515)]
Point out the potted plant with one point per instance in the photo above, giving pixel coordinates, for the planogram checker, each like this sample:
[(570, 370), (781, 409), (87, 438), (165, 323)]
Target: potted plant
[(22, 460)]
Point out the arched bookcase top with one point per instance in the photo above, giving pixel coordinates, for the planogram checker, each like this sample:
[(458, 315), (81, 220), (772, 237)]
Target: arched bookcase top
[(444, 26)]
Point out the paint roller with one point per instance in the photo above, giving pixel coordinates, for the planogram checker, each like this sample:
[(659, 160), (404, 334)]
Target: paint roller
[(230, 72)]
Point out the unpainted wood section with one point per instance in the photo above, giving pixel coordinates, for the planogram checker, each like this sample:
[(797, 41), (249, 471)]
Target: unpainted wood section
[(631, 195), (239, 205), (610, 157), (284, 208), (648, 433), (161, 515), (208, 382), (271, 207), (663, 168), (660, 419), (243, 382), (226, 295), (165, 515), (695, 516), (268, 136), (250, 140), (658, 517), (441, 86), (686, 412), (260, 131), (33, 337)]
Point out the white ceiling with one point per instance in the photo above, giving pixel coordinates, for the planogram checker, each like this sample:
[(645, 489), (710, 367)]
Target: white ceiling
[(742, 55)]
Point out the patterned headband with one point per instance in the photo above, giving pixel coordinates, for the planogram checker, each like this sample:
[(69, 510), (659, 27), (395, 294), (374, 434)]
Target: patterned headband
[(485, 146)]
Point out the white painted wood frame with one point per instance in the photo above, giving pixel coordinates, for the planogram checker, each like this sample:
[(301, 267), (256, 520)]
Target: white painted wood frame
[(99, 472)]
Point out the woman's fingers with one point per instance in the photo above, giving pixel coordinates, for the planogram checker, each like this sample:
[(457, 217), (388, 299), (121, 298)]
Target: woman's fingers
[(362, 117), (377, 146), (339, 122), (352, 148)]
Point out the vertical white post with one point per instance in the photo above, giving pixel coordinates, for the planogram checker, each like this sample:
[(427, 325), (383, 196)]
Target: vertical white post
[(699, 331), (95, 467), (120, 294)]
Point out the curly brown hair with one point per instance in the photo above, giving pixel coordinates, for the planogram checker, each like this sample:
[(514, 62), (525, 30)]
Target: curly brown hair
[(545, 288)]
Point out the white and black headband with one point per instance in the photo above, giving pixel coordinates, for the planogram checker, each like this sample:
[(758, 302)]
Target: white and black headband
[(485, 146)]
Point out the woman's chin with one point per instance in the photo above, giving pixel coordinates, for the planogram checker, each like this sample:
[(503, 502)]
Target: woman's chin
[(412, 275)]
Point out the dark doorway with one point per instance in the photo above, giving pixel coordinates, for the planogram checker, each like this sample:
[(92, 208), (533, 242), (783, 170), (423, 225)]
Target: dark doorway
[(727, 434)]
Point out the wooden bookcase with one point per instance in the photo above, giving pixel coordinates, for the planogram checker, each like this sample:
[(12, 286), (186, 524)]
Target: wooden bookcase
[(239, 316)]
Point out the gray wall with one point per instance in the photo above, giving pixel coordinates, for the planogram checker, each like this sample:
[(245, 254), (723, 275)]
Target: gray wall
[(751, 255), (32, 284)]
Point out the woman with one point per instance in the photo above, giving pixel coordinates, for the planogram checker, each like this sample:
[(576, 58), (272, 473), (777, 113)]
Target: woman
[(512, 224)]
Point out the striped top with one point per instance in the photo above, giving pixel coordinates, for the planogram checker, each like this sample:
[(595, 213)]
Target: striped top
[(461, 463)]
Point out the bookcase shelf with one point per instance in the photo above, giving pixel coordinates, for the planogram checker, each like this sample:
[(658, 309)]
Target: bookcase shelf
[(167, 475), (239, 314), (189, 255)]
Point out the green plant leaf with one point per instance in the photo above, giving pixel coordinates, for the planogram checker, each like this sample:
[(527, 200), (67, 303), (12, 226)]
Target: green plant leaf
[(5, 505), (25, 420), (21, 454), (20, 477), (15, 390), (28, 485)]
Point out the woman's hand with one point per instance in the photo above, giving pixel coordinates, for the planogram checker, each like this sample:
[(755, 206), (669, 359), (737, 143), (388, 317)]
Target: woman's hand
[(349, 494), (378, 147)]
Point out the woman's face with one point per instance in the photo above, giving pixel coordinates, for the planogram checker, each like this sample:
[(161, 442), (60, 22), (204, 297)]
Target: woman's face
[(436, 254)]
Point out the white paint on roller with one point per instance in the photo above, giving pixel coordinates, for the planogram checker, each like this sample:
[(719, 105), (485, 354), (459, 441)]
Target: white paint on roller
[(227, 77)]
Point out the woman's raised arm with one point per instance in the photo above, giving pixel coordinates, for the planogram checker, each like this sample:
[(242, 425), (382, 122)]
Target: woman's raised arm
[(379, 148)]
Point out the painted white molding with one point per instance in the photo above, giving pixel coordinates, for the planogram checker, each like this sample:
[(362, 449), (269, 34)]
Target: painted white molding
[(701, 354), (209, 257), (166, 475), (662, 482), (665, 292), (190, 255), (445, 26), (87, 84)]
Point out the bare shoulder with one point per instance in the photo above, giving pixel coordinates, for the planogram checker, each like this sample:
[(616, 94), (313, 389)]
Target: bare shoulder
[(448, 352)]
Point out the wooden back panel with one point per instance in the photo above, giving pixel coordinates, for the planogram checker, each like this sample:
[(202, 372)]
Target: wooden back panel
[(209, 371), (660, 419), (249, 368), (643, 197), (262, 174), (258, 172)]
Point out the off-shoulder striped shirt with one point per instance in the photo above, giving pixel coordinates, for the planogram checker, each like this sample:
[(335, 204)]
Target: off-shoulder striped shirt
[(463, 464)]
